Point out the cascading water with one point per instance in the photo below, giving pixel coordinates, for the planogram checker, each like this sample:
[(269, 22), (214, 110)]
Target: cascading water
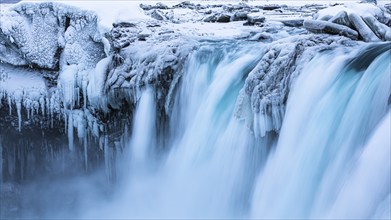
[(331, 113), (207, 163), (330, 149)]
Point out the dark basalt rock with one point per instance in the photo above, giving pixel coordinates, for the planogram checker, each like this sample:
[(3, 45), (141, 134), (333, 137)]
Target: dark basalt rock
[(271, 7), (123, 25), (293, 23), (223, 18)]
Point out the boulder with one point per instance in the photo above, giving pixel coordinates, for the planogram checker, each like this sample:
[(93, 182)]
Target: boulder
[(158, 15), (330, 28), (210, 18), (341, 18), (293, 22), (381, 30), (185, 4), (145, 7), (365, 32), (223, 18), (255, 18), (239, 16), (160, 5), (271, 7)]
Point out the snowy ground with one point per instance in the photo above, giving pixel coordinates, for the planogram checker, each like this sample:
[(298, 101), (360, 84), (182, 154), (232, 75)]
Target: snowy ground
[(130, 11)]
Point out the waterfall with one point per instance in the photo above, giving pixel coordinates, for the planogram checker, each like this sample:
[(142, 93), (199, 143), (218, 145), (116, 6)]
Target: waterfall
[(329, 158), (336, 124), (334, 107), (207, 159)]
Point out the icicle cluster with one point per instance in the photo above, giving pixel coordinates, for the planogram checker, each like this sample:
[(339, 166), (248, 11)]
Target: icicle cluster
[(60, 45)]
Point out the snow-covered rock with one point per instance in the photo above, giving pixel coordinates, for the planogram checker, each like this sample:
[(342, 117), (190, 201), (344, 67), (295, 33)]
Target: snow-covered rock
[(365, 32), (255, 18), (37, 34), (381, 30), (341, 18), (369, 20), (239, 16), (330, 28)]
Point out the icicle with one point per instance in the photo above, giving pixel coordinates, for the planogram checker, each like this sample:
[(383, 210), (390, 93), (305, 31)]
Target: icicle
[(32, 112), (68, 84), (84, 90), (78, 96), (9, 105), (19, 111), (42, 104), (47, 100), (70, 132)]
